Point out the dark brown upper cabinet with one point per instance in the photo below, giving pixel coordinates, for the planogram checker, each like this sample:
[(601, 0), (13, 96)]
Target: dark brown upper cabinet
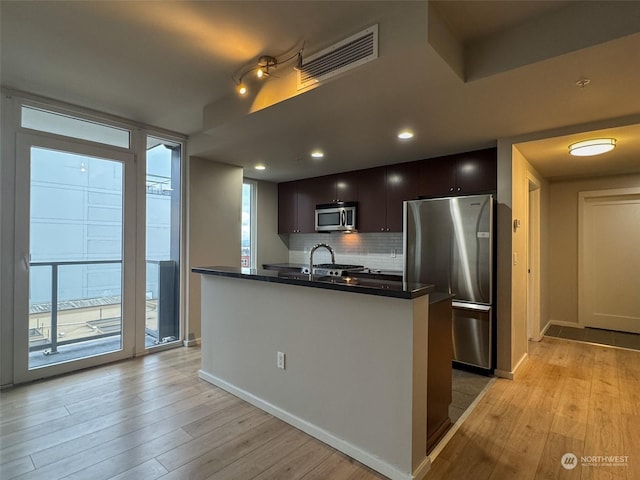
[(297, 200), (341, 187), (371, 213), (287, 207), (296, 207), (381, 192), (346, 185), (459, 174)]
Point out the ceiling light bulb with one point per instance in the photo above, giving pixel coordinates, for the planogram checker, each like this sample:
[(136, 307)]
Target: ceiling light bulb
[(317, 154), (242, 89), (260, 73), (596, 146), (405, 135), (260, 167)]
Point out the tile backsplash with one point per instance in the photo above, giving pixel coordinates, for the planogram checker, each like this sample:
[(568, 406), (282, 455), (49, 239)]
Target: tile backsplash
[(381, 251)]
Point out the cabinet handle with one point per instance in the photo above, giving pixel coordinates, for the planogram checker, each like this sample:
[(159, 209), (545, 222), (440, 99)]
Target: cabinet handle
[(382, 229), (388, 229), (458, 188)]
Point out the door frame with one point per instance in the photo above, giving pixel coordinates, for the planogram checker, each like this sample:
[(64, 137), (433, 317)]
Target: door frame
[(533, 258), (24, 142), (583, 198)]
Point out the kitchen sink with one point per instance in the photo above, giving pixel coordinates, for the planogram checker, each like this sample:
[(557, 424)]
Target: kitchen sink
[(344, 280)]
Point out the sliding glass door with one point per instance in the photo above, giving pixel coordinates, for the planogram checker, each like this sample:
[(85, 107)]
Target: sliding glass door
[(75, 244)]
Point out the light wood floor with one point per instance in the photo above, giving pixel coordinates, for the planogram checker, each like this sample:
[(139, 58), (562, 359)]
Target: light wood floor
[(149, 418), (153, 418), (569, 397)]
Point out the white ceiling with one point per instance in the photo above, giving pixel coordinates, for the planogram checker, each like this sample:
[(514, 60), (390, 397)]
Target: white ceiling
[(460, 74)]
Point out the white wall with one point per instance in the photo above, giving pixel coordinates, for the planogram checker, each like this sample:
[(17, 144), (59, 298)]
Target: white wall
[(7, 279), (270, 247), (214, 206), (520, 188), (357, 380), (507, 324), (523, 175), (504, 200), (563, 241)]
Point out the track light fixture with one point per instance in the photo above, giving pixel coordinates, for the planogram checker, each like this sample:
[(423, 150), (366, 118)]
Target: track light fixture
[(264, 69)]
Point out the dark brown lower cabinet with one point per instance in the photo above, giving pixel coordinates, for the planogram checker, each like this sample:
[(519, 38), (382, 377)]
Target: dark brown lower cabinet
[(439, 356)]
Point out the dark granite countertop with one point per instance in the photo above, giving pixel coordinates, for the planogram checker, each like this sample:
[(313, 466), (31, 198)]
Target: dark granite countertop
[(367, 286)]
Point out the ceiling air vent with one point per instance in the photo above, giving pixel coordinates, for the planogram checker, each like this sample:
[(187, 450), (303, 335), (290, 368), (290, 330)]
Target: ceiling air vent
[(341, 57)]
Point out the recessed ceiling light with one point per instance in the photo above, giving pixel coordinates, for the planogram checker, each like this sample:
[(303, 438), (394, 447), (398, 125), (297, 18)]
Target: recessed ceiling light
[(595, 146), (260, 167), (583, 82), (317, 154), (405, 135)]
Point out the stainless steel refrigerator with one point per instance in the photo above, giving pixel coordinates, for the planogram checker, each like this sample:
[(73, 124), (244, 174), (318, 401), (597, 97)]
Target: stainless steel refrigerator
[(448, 242)]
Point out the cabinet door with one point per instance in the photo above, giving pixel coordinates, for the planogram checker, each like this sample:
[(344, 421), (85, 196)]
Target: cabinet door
[(287, 208), (307, 199), (346, 186), (320, 189), (372, 200), (477, 171), (401, 185), (437, 177)]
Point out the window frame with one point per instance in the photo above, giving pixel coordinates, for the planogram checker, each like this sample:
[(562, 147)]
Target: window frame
[(253, 185)]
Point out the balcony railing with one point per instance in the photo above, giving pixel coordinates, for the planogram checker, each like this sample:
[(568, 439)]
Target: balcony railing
[(162, 301), (95, 317), (91, 310)]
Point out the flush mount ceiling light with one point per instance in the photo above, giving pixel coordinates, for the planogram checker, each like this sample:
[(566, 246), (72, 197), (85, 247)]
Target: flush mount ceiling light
[(260, 167), (596, 146), (317, 154), (264, 69), (405, 134)]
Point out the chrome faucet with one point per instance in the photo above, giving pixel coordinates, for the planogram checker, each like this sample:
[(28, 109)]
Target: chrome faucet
[(313, 249)]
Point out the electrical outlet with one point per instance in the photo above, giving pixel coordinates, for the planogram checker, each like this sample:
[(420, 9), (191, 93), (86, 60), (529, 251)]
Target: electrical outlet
[(280, 360)]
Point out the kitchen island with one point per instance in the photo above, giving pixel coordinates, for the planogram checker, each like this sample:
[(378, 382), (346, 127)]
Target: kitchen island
[(355, 358)]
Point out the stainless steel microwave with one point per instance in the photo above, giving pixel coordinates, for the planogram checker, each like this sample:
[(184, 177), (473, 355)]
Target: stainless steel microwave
[(336, 217)]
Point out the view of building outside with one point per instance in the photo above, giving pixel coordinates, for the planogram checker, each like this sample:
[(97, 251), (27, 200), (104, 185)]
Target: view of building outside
[(76, 210), (162, 241), (247, 202), (159, 192), (76, 216), (76, 232)]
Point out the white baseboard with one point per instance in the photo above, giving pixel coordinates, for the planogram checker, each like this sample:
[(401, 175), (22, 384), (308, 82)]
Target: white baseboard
[(511, 375), (191, 343), (544, 330), (563, 323), (503, 374), (324, 436)]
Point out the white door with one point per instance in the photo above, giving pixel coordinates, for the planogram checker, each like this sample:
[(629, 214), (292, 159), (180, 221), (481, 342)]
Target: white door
[(609, 273), (75, 250)]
